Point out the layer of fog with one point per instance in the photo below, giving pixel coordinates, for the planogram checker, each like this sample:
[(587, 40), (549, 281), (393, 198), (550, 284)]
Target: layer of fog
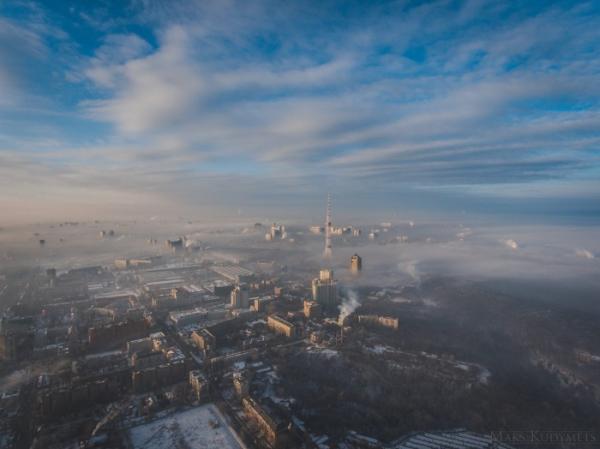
[(403, 254), (557, 254)]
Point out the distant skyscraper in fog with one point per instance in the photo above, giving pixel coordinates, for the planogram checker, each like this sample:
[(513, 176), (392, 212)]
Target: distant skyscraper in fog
[(355, 263)]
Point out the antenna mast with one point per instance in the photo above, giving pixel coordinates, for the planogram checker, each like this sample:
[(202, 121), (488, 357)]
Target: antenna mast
[(328, 251)]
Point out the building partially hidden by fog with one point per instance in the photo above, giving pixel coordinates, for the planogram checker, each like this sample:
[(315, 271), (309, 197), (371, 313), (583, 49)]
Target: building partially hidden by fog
[(355, 263), (174, 245), (277, 232), (324, 290)]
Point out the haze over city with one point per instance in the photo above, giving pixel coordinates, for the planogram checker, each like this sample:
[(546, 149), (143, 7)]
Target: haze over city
[(299, 225)]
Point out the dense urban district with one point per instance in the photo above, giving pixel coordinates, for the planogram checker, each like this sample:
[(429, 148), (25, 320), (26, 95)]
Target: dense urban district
[(255, 337)]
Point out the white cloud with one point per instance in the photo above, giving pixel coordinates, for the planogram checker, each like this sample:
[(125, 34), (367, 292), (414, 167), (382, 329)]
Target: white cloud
[(152, 91), (315, 98), (511, 244)]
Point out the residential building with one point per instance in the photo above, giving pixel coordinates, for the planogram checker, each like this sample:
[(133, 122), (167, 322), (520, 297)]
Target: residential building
[(281, 326), (324, 290)]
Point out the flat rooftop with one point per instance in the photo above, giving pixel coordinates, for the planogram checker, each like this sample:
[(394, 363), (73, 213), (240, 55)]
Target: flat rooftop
[(202, 427), (232, 272)]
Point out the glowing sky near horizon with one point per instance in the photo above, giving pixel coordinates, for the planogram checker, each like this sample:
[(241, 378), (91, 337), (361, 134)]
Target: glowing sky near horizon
[(128, 108)]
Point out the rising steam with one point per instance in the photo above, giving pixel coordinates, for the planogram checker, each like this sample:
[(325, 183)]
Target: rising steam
[(585, 254), (349, 304), (410, 268)]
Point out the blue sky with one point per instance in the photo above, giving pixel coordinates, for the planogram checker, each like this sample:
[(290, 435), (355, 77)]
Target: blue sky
[(145, 107)]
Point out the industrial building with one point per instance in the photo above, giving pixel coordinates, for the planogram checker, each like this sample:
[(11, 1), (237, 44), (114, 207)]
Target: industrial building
[(234, 273), (125, 263)]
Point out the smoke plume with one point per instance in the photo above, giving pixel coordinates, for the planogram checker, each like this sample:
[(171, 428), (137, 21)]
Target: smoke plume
[(584, 253), (349, 304)]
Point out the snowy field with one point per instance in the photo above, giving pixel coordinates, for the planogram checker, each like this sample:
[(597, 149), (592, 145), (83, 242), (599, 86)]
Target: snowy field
[(199, 428)]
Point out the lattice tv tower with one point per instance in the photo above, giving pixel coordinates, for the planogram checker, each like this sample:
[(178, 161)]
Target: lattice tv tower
[(327, 253)]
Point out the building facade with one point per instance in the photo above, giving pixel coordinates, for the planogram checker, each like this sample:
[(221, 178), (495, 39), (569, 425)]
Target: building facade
[(379, 320), (312, 309), (281, 326), (239, 297), (355, 263), (324, 290), (199, 385)]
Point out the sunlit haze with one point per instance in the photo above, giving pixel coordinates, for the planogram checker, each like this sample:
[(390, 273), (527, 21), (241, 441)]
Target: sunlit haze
[(299, 224)]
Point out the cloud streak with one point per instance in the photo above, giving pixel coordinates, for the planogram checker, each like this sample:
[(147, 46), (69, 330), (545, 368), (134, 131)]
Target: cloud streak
[(474, 100)]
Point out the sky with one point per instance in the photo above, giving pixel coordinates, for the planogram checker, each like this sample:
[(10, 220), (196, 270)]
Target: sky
[(207, 108)]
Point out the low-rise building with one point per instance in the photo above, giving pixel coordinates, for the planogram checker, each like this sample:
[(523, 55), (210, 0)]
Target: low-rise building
[(175, 245), (312, 309), (199, 385), (261, 304), (116, 332), (241, 383), (239, 297), (205, 340), (159, 341), (17, 337), (281, 326), (219, 287), (270, 421), (379, 320), (146, 359), (186, 317), (154, 377), (139, 345), (317, 229)]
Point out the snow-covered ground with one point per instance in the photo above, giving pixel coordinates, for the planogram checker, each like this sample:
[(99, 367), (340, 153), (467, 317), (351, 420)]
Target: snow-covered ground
[(202, 427)]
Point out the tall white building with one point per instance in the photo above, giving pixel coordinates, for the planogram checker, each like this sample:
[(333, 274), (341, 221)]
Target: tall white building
[(324, 289)]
